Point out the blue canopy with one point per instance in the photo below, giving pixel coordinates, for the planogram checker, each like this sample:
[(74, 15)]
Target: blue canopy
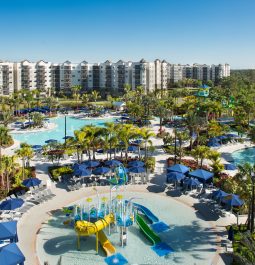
[(222, 137), (138, 141), (132, 148), (11, 255), (78, 166), (50, 141), (174, 176), (204, 86), (8, 230), (232, 135), (219, 194), (233, 200), (213, 144), (136, 170), (229, 167), (37, 146), (101, 170), (11, 204), (31, 182), (191, 182), (136, 163), (178, 168), (91, 163), (112, 163), (82, 172), (67, 137), (201, 174)]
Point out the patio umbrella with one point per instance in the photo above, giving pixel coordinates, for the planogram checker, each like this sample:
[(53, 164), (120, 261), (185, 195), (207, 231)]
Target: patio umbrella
[(219, 194), (136, 163), (67, 137), (91, 163), (132, 148), (232, 135), (229, 167), (11, 204), (31, 182), (191, 182), (82, 172), (136, 170), (50, 141), (112, 163), (101, 170), (8, 230), (178, 168), (138, 141), (233, 200), (36, 146), (201, 174), (78, 166), (11, 254), (174, 177)]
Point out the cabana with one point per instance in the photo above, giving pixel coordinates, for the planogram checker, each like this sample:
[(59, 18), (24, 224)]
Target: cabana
[(8, 231), (11, 255)]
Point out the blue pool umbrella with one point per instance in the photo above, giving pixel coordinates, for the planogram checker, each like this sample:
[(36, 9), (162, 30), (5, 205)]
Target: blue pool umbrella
[(136, 170), (138, 141), (213, 144), (233, 200), (219, 194), (178, 168), (112, 163), (201, 174), (37, 146), (232, 135), (204, 86), (50, 141), (132, 148), (78, 166), (116, 259), (191, 182), (229, 167), (67, 137), (91, 163), (11, 255), (101, 170), (174, 177), (31, 182), (8, 230), (136, 163), (222, 137), (11, 204), (82, 172)]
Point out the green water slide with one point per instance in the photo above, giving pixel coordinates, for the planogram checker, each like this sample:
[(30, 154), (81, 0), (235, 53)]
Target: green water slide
[(154, 238)]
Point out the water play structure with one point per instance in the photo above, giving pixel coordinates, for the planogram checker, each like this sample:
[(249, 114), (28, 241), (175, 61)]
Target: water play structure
[(115, 215)]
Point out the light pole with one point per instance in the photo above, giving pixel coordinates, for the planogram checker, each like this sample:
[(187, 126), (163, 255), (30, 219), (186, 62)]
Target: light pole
[(65, 130), (175, 146), (252, 202)]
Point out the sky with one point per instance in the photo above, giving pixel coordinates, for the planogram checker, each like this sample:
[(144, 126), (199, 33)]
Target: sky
[(179, 31)]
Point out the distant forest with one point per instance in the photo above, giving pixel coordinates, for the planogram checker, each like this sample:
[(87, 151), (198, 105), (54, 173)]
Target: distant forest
[(248, 74)]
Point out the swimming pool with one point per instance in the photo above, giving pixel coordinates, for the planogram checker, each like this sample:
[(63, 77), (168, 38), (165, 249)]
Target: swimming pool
[(39, 138), (193, 240), (244, 155)]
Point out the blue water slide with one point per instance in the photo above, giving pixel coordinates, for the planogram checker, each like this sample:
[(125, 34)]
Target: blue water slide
[(153, 218)]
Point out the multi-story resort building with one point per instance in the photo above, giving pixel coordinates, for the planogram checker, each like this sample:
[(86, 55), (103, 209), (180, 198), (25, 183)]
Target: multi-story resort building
[(107, 77)]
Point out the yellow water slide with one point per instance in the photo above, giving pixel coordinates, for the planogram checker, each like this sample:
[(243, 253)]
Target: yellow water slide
[(85, 228), (108, 248)]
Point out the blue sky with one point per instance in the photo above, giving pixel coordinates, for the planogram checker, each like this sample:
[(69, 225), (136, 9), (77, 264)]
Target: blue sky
[(180, 31)]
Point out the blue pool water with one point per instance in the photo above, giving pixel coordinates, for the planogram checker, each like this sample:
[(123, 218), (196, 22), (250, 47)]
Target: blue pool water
[(58, 133), (244, 155)]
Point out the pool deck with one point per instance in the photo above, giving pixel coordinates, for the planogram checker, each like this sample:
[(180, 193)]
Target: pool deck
[(30, 223)]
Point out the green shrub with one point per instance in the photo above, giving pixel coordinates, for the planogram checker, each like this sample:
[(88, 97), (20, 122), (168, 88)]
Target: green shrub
[(56, 172), (150, 163)]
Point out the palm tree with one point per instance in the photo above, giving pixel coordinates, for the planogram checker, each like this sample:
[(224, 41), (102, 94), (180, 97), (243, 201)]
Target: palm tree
[(51, 103), (25, 153), (216, 165), (7, 118), (94, 95), (201, 152), (85, 99), (8, 163), (4, 136), (111, 136), (76, 94), (37, 119), (146, 135), (125, 133), (80, 143), (162, 112)]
